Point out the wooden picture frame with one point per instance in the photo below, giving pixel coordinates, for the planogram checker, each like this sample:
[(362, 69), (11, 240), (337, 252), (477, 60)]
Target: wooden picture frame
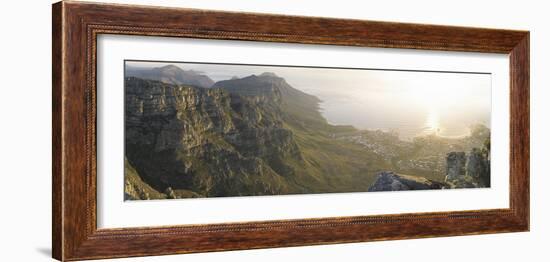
[(76, 26)]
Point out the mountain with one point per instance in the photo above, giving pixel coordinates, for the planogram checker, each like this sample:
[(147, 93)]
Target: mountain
[(171, 74), (206, 141), (233, 140), (299, 108), (258, 135)]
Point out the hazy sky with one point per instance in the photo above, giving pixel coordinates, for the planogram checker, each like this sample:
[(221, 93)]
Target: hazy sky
[(412, 103)]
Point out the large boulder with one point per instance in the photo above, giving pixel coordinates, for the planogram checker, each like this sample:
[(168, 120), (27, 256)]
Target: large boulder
[(390, 181)]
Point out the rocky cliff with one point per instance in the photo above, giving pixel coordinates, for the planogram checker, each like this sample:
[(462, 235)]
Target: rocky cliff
[(205, 140)]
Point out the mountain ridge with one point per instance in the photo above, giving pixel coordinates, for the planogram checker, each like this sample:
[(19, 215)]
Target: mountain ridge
[(300, 108), (171, 74)]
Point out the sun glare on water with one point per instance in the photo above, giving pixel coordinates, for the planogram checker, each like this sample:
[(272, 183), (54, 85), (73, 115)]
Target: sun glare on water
[(432, 123)]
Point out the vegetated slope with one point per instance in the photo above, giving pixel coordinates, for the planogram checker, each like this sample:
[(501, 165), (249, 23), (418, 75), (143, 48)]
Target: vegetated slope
[(340, 166)]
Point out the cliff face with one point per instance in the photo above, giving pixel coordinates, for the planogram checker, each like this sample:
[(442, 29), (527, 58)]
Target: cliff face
[(206, 140)]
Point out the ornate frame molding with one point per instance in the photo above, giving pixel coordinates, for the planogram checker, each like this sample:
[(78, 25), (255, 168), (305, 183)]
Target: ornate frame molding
[(76, 26)]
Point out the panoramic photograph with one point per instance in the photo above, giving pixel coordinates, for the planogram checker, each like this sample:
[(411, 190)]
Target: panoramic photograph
[(199, 130)]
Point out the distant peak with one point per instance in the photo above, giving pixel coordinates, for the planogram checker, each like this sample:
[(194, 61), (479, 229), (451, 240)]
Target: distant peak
[(171, 67), (268, 74), (235, 78)]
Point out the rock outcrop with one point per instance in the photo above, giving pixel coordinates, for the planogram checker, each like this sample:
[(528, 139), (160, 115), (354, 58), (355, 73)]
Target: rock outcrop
[(478, 168), (455, 166), (390, 181), (472, 171)]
